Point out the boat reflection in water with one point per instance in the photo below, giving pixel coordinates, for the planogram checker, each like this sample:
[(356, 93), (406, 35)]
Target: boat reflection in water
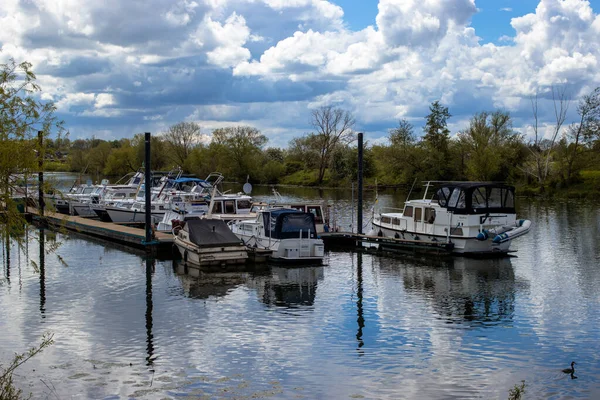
[(474, 292), (274, 285)]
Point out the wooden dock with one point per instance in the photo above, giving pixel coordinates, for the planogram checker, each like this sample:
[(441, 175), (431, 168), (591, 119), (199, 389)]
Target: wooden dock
[(350, 239), (131, 236)]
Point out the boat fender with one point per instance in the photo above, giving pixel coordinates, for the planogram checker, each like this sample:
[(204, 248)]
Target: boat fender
[(397, 236), (483, 235), (380, 233), (500, 238), (185, 256)]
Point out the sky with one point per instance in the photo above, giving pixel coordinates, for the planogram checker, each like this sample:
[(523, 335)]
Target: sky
[(116, 68)]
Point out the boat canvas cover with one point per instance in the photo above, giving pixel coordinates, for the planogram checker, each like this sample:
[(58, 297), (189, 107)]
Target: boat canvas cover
[(476, 197), (287, 224), (211, 233)]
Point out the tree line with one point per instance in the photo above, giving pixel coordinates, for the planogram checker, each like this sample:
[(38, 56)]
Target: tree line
[(489, 149)]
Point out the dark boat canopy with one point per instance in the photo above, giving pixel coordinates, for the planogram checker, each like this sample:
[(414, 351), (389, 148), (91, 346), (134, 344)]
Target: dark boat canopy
[(211, 233), (476, 197), (286, 224)]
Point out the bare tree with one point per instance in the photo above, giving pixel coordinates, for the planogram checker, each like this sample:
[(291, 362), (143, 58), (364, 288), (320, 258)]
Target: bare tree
[(541, 149), (333, 126), (589, 119), (181, 138)]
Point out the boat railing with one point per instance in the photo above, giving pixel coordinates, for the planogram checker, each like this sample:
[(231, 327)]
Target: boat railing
[(390, 209)]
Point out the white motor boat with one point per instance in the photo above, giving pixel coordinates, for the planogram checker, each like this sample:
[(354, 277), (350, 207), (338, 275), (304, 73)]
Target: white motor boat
[(474, 217), (290, 234)]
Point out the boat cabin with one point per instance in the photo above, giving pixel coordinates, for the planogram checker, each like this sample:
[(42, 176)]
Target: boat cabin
[(232, 206), (288, 224)]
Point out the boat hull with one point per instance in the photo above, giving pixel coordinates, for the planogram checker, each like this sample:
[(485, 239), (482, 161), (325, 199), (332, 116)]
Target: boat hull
[(202, 256), (462, 245)]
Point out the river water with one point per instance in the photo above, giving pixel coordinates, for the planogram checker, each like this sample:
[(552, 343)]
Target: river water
[(359, 326)]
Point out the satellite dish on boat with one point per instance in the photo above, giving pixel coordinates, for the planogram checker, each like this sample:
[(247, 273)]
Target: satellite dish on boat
[(247, 188)]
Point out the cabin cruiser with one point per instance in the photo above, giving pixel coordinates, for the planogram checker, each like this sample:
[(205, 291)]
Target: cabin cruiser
[(209, 242), (475, 217), (290, 234)]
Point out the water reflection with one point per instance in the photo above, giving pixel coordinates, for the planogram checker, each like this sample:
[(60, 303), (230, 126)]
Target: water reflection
[(290, 287), (359, 299), (42, 267), (150, 269), (274, 285), (461, 290)]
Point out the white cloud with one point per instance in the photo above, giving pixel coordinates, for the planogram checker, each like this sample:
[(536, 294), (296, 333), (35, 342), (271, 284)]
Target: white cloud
[(104, 100), (267, 62)]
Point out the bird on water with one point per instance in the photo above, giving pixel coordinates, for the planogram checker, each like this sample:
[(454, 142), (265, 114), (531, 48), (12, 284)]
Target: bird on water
[(570, 370)]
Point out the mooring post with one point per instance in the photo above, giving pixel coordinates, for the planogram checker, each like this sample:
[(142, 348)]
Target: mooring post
[(41, 173), (359, 214), (148, 188)]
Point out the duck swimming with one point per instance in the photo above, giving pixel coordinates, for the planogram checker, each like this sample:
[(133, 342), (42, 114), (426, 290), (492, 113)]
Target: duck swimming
[(570, 370)]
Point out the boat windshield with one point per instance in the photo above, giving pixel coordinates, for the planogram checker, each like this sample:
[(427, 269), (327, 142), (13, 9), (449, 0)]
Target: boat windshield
[(476, 198), (286, 224)]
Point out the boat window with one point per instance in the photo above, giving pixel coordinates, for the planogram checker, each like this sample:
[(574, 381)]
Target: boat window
[(418, 214), (509, 200), (478, 199), (243, 204), (457, 200), (298, 207), (217, 208), (316, 211), (386, 220), (408, 211), (495, 198), (456, 231), (396, 221), (429, 215), (161, 207), (442, 196), (229, 206)]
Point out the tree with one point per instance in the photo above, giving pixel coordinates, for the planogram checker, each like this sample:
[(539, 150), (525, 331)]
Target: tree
[(333, 126), (121, 160), (243, 147), (181, 138), (541, 148), (22, 116), (487, 142), (436, 130), (583, 131), (435, 141)]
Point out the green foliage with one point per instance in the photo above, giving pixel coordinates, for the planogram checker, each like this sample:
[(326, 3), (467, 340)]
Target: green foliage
[(180, 139), (8, 391), (23, 121), (517, 392), (241, 148)]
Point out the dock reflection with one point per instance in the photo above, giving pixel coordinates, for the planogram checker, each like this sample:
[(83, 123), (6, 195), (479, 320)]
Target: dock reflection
[(150, 269), (475, 292)]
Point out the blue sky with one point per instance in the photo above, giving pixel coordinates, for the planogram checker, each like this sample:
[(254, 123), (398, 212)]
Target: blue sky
[(268, 63)]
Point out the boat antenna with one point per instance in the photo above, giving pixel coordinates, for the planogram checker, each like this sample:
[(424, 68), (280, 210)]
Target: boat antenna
[(411, 189)]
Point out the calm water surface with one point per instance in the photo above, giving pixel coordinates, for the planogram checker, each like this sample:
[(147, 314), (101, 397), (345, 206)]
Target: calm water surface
[(360, 326)]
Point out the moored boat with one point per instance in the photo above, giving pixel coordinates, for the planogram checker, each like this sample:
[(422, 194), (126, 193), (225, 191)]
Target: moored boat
[(209, 242), (478, 218), (290, 234)]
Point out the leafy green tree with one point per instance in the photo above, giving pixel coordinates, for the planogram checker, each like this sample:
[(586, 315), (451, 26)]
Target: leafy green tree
[(489, 142), (436, 140), (243, 148), (121, 160), (22, 116)]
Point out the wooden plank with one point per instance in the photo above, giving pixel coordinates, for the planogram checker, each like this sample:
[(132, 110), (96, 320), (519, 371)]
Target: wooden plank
[(107, 230)]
